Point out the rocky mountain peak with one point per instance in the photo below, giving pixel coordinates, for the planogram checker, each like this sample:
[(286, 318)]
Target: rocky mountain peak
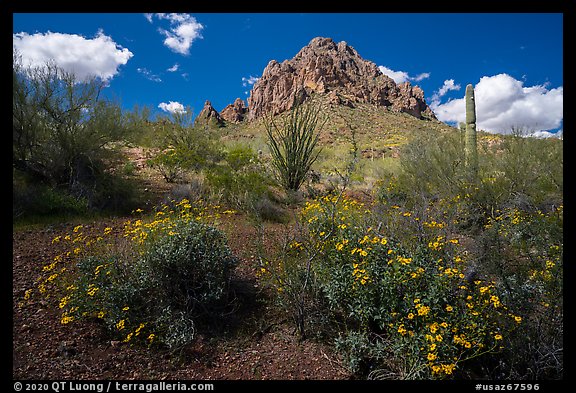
[(236, 112), (336, 70), (209, 116)]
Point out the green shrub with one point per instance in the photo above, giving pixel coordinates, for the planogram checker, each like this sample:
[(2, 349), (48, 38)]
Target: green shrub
[(242, 182), (185, 146), (40, 200), (414, 302), (155, 284)]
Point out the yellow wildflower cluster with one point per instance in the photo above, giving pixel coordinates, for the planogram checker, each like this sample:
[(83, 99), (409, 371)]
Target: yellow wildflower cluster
[(434, 224), (436, 244), (359, 274)]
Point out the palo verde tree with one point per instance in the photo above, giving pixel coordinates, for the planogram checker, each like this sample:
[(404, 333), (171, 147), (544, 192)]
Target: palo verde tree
[(62, 127), (292, 142)]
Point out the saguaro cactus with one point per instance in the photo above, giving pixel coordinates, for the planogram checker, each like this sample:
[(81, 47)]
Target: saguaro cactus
[(470, 148)]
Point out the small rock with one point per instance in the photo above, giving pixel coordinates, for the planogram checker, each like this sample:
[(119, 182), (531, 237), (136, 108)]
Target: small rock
[(67, 348)]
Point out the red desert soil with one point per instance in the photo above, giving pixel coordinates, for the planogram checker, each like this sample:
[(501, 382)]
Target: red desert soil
[(257, 343)]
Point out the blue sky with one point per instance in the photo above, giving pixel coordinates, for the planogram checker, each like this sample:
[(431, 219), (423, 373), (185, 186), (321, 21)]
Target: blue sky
[(166, 60)]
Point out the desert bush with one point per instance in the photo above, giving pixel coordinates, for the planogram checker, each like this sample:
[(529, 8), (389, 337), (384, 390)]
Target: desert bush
[(524, 251), (154, 284), (511, 221), (410, 302), (185, 146), (31, 199), (242, 182)]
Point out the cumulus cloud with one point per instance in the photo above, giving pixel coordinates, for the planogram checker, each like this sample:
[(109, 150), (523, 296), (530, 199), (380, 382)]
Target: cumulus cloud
[(184, 29), (85, 57), (174, 68), (446, 87), (503, 103), (402, 76), (149, 75), (249, 81), (172, 107)]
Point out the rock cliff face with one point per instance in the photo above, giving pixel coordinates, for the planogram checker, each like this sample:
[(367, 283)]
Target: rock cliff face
[(336, 70), (236, 112), (209, 116)]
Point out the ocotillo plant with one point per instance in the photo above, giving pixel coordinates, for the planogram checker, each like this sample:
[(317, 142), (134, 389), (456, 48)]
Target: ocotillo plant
[(470, 148), (293, 143)]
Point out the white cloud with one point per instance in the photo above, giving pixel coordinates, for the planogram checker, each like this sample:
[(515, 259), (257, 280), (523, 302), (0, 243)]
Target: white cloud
[(546, 134), (172, 107), (402, 76), (502, 103), (249, 81), (446, 87), (419, 77), (85, 57), (149, 75), (184, 29), (174, 68)]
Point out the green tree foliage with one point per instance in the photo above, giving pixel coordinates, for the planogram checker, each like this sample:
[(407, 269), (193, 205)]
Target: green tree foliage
[(63, 128), (185, 145)]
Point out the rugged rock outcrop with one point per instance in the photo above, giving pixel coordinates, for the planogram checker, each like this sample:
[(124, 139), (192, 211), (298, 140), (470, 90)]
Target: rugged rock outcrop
[(236, 112), (209, 116), (337, 71)]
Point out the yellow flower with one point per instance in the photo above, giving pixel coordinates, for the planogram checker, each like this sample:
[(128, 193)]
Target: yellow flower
[(438, 337), (92, 291), (126, 308), (444, 325), (423, 310), (128, 337), (431, 357), (120, 325), (27, 294), (498, 337), (151, 337), (448, 368), (140, 327), (66, 320), (410, 316), (402, 330), (449, 308), (518, 319), (101, 314)]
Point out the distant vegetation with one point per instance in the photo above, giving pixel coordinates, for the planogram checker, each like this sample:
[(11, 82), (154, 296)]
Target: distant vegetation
[(398, 257)]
